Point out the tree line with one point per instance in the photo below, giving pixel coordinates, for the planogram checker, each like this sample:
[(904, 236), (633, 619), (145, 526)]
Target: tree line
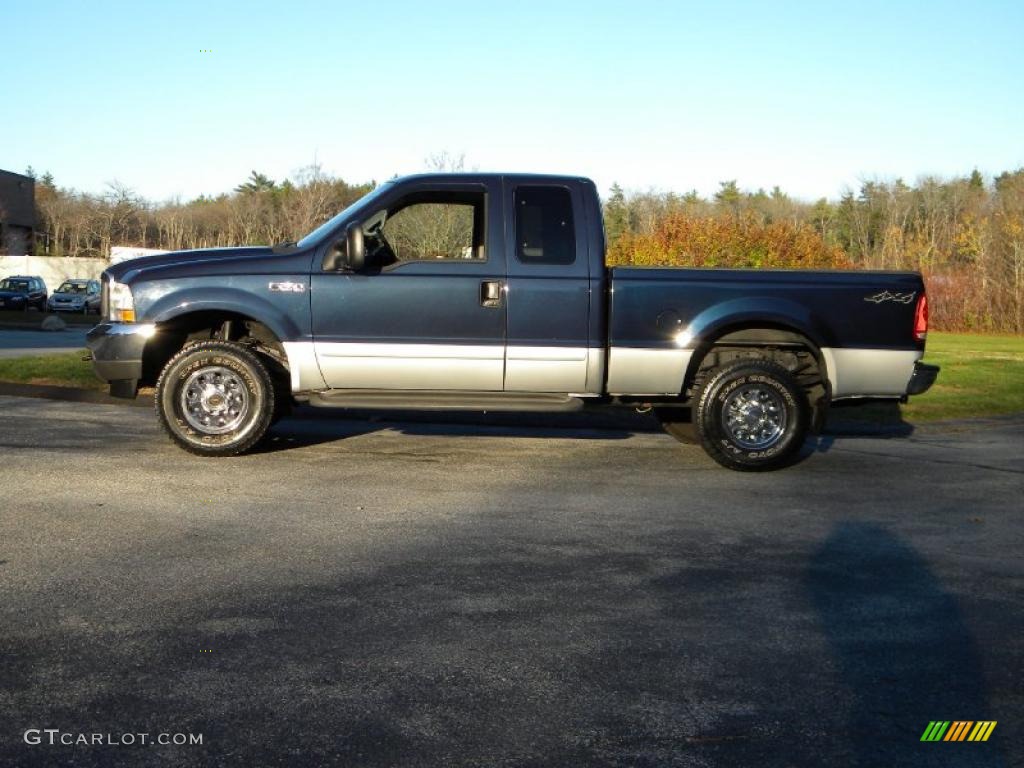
[(964, 234), (258, 211)]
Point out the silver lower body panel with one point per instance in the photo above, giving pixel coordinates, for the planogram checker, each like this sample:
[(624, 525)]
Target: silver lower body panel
[(869, 372), (636, 371)]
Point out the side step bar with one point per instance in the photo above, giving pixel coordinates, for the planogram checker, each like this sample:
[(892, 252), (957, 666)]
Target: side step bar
[(424, 400)]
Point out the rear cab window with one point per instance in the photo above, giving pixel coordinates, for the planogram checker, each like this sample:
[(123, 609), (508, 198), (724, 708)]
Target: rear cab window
[(545, 232)]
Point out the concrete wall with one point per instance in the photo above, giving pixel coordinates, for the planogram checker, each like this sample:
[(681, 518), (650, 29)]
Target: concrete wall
[(53, 270)]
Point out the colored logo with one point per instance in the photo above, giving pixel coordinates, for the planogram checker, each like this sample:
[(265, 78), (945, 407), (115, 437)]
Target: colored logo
[(958, 730)]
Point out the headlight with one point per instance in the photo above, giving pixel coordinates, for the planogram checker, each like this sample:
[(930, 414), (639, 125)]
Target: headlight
[(122, 305)]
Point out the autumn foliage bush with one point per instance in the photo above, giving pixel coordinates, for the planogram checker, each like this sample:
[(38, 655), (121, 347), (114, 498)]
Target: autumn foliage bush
[(729, 241)]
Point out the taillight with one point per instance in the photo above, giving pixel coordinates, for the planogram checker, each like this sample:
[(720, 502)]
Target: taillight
[(921, 318)]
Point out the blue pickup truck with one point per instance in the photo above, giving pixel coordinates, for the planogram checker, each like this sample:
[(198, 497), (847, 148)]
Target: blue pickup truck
[(490, 292)]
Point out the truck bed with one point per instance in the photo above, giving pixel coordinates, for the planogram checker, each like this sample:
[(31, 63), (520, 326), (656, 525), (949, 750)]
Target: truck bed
[(862, 322)]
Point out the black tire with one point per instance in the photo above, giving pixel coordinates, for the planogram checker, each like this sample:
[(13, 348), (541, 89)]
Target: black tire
[(678, 422), (282, 401), (752, 415), (223, 383)]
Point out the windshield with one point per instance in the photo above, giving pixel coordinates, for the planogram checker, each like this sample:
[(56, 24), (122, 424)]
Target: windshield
[(73, 288), (14, 285), (320, 232)]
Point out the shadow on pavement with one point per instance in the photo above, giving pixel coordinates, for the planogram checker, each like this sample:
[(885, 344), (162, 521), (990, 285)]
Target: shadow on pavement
[(901, 648), (856, 420), (313, 426), (488, 650)]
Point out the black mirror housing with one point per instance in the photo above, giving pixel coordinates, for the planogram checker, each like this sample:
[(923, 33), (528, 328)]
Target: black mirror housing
[(355, 256)]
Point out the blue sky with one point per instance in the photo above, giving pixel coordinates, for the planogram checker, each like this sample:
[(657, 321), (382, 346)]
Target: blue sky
[(813, 97)]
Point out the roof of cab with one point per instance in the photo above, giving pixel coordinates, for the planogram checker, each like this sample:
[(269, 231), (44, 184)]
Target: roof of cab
[(476, 177)]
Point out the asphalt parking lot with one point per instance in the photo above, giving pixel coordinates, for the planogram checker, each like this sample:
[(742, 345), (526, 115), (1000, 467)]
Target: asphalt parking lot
[(376, 593)]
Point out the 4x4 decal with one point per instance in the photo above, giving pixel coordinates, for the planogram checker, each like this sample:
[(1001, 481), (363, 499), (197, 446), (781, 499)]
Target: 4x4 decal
[(898, 298)]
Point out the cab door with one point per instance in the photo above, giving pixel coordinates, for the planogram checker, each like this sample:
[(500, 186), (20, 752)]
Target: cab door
[(549, 291), (428, 311)]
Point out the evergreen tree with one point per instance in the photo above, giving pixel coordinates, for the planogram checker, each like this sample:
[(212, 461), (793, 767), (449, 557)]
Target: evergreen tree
[(616, 215), (257, 183), (729, 195)]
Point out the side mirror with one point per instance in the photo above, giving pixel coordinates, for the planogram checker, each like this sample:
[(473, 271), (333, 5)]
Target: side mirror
[(355, 257)]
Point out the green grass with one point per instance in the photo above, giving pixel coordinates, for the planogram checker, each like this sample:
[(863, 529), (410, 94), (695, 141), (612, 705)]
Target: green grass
[(980, 376), (66, 370)]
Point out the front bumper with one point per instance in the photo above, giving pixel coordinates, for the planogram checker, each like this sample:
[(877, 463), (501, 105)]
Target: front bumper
[(117, 354), (922, 378)]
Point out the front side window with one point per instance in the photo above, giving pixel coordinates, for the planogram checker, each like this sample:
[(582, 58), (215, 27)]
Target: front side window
[(544, 226), (426, 226), (430, 231)]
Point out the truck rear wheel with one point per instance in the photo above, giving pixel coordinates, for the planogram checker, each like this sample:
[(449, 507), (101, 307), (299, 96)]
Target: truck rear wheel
[(751, 415), (215, 398)]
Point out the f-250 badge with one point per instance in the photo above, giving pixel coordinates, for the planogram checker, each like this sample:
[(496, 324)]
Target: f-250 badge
[(899, 298), (288, 287)]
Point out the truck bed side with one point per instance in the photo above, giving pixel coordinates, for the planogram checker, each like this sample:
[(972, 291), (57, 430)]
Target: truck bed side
[(860, 324)]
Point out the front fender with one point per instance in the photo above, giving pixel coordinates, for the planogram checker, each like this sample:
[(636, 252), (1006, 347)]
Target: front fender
[(285, 315)]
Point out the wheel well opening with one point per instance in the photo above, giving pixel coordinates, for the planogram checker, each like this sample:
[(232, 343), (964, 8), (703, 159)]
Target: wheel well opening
[(178, 332), (779, 343)]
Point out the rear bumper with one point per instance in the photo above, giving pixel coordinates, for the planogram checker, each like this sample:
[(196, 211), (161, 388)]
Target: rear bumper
[(922, 378), (117, 354)]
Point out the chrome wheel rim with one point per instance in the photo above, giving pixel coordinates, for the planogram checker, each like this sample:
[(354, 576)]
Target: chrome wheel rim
[(754, 417), (214, 400)]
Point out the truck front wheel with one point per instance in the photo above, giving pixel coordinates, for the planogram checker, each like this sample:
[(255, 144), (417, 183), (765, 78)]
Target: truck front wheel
[(752, 415), (215, 398)]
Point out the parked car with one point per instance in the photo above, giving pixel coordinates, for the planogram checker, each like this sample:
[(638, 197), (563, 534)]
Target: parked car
[(379, 307), (22, 292), (76, 296)]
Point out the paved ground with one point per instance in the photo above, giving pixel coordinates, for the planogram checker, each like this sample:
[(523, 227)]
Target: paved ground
[(20, 343), (406, 594)]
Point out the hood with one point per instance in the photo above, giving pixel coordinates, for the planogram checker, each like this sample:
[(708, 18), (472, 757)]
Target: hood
[(204, 261), (9, 294)]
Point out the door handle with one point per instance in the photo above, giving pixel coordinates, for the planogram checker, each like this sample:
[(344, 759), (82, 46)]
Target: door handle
[(490, 293)]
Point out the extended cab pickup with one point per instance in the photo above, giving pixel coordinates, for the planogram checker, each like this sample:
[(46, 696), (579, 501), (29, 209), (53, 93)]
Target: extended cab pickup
[(490, 292)]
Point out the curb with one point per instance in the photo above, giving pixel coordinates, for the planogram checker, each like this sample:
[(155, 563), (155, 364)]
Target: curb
[(70, 394)]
